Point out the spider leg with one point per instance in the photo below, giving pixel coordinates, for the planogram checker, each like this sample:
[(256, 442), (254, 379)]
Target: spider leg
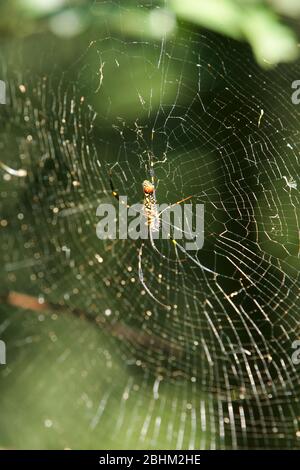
[(204, 268), (174, 204), (159, 252), (154, 246), (113, 191), (141, 278), (171, 260), (150, 231)]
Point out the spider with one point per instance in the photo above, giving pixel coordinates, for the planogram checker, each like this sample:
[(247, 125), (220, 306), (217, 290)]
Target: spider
[(152, 216)]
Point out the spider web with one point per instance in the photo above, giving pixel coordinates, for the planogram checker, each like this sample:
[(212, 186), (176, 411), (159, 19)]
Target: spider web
[(216, 370)]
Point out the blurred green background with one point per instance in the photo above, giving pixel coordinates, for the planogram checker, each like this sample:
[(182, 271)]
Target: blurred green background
[(93, 363)]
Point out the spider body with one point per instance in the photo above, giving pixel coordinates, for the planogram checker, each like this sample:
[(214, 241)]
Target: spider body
[(153, 215), (150, 206)]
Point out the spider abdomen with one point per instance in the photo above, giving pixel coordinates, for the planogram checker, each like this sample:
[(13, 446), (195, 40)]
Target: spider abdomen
[(150, 207)]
